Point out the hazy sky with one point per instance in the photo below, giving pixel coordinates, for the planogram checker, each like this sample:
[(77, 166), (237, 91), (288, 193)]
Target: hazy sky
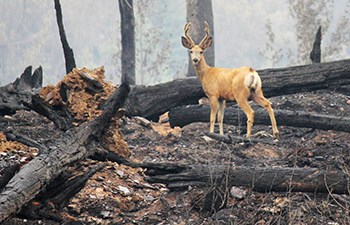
[(29, 35)]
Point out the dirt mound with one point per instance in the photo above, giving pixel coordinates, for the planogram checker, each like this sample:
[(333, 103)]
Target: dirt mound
[(83, 91)]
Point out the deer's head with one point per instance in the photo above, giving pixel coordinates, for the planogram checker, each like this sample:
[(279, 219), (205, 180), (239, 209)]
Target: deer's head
[(196, 51)]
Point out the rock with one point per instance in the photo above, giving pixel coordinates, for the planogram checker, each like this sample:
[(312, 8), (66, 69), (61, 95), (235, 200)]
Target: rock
[(238, 193), (207, 139), (120, 173), (124, 190), (142, 121)]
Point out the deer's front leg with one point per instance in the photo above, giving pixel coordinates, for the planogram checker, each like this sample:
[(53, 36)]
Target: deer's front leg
[(213, 110)]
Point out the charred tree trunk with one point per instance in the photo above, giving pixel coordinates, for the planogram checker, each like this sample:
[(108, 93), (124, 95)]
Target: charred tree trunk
[(315, 54), (68, 52), (199, 11), (261, 179), (182, 116), (18, 95), (58, 193), (127, 26), (34, 176), (152, 101), (7, 171)]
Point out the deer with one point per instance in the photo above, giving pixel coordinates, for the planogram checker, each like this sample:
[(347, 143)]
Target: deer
[(222, 84)]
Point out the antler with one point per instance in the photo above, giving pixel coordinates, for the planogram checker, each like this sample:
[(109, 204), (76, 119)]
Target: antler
[(187, 28), (207, 33)]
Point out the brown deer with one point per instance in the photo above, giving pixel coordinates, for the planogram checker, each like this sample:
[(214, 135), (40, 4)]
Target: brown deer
[(221, 84)]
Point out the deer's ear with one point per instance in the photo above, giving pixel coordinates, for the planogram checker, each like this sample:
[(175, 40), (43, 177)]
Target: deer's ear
[(186, 43), (207, 43)]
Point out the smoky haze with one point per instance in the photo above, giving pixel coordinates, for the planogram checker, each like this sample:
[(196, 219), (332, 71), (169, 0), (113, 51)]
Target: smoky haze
[(260, 34)]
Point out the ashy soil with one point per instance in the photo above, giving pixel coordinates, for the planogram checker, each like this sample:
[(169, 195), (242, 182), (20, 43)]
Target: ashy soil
[(118, 194)]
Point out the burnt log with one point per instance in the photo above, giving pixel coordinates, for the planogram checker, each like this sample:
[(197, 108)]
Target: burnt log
[(18, 95), (43, 169), (57, 195), (7, 171), (60, 116), (182, 116), (261, 179), (152, 101)]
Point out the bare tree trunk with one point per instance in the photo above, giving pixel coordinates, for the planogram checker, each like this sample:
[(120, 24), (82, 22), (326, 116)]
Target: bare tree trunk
[(68, 52), (315, 54), (127, 26), (199, 11)]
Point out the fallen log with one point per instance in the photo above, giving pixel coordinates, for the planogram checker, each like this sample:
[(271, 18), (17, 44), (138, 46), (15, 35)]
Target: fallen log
[(7, 171), (57, 195), (39, 172), (185, 115), (261, 179), (152, 101)]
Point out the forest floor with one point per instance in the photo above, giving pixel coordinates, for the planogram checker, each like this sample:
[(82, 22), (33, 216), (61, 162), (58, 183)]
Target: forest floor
[(118, 194)]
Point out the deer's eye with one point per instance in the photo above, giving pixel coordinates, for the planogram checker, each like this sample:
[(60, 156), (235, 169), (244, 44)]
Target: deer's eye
[(191, 52), (201, 52)]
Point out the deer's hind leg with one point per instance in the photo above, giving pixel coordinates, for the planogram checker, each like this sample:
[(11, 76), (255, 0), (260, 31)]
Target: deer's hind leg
[(221, 112), (241, 96), (259, 98)]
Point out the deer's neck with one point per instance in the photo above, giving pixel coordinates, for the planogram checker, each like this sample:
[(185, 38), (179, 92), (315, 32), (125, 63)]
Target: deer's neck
[(201, 68)]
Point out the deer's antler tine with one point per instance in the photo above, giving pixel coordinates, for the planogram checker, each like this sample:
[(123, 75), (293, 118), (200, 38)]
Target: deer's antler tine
[(187, 28), (207, 33)]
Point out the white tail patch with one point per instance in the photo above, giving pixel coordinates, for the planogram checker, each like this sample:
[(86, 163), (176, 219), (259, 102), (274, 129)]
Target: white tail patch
[(253, 81)]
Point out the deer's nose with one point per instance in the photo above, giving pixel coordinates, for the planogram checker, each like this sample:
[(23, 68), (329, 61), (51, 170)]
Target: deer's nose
[(195, 60)]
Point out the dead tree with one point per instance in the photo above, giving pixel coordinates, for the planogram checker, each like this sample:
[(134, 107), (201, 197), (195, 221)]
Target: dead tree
[(68, 52), (17, 95), (315, 54), (127, 27), (152, 101), (199, 11), (184, 115), (43, 169)]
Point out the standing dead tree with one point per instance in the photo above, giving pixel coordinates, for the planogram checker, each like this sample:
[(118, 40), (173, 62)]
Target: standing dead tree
[(199, 11), (315, 54), (127, 27), (68, 52)]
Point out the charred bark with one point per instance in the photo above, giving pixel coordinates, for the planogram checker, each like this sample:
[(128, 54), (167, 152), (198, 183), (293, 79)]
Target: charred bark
[(150, 102), (7, 171), (17, 95), (127, 27), (199, 11), (261, 179), (182, 116), (57, 195), (59, 115), (68, 52), (43, 169), (315, 54)]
